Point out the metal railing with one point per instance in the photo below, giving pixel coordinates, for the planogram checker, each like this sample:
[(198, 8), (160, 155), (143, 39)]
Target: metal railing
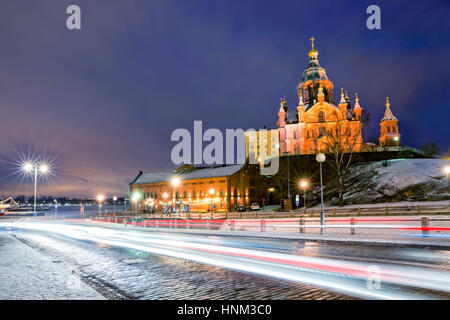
[(293, 225)]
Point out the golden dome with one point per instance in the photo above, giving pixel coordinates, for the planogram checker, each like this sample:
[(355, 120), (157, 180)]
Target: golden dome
[(313, 52)]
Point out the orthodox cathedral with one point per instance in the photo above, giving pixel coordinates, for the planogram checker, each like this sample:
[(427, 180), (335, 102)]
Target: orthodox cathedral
[(308, 128)]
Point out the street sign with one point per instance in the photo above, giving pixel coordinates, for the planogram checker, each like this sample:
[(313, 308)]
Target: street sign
[(297, 200)]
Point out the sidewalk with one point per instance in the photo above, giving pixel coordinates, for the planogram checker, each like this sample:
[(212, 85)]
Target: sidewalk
[(27, 273)]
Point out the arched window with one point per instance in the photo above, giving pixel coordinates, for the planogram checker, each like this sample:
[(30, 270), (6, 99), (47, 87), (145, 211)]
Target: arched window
[(194, 194), (321, 116), (185, 195)]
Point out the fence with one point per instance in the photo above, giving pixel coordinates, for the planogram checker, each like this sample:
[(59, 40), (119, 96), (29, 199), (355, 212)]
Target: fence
[(423, 224)]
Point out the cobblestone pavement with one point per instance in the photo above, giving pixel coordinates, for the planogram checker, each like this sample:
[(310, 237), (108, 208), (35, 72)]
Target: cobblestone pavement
[(137, 275), (121, 273)]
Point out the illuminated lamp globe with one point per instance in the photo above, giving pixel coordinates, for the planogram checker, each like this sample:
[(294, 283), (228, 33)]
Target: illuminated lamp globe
[(320, 157)]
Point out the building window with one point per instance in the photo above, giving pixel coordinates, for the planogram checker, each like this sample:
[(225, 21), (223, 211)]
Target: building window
[(176, 195), (321, 116), (307, 133), (221, 192), (321, 131), (312, 133), (194, 194), (156, 195), (185, 195)]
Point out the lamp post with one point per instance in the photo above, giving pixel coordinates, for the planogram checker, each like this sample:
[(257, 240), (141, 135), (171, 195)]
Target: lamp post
[(396, 139), (211, 192), (304, 185), (56, 207), (165, 195), (36, 168), (321, 158), (135, 200), (447, 171), (268, 194), (100, 199), (289, 187), (114, 201), (174, 182)]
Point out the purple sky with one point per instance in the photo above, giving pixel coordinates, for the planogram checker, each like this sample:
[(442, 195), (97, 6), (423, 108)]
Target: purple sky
[(102, 102)]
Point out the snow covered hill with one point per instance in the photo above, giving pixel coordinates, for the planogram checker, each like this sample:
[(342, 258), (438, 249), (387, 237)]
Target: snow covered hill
[(399, 180)]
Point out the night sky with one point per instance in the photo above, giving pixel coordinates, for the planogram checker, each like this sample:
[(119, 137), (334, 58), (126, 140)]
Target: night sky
[(101, 102)]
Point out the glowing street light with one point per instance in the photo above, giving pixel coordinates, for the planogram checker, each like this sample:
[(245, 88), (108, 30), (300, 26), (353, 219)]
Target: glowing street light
[(447, 171), (114, 201), (211, 192), (100, 199), (321, 158), (175, 183), (35, 167), (304, 185), (135, 198)]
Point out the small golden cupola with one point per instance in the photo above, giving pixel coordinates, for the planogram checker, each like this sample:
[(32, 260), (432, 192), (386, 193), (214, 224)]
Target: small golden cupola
[(313, 53), (320, 94)]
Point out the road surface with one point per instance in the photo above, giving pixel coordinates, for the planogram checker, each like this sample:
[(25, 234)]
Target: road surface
[(100, 263)]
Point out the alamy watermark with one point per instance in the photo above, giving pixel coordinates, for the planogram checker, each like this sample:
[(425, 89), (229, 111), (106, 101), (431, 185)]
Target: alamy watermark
[(374, 20), (73, 21), (240, 146), (374, 277)]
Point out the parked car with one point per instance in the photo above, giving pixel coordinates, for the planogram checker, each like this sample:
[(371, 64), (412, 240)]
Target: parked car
[(241, 208), (255, 206)]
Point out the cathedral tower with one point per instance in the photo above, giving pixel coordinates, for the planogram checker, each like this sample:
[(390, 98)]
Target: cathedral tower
[(314, 77), (389, 135)]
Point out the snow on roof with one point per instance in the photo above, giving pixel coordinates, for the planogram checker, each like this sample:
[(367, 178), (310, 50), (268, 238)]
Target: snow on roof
[(388, 115), (194, 174)]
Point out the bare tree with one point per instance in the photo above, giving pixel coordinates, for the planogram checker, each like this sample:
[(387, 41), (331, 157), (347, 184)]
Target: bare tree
[(339, 141), (430, 148)]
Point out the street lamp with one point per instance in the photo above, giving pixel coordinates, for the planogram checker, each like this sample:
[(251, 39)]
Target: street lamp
[(447, 171), (304, 185), (211, 192), (114, 201), (135, 199), (35, 167), (174, 182), (396, 139), (321, 158), (56, 207), (165, 196), (100, 199)]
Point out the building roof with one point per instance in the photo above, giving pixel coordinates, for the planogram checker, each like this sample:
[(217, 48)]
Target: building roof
[(388, 115), (202, 173)]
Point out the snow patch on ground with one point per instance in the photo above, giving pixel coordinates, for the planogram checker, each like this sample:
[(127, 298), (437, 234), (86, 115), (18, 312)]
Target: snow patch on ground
[(27, 274), (397, 180)]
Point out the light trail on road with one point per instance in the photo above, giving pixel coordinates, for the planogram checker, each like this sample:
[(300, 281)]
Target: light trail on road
[(354, 278)]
